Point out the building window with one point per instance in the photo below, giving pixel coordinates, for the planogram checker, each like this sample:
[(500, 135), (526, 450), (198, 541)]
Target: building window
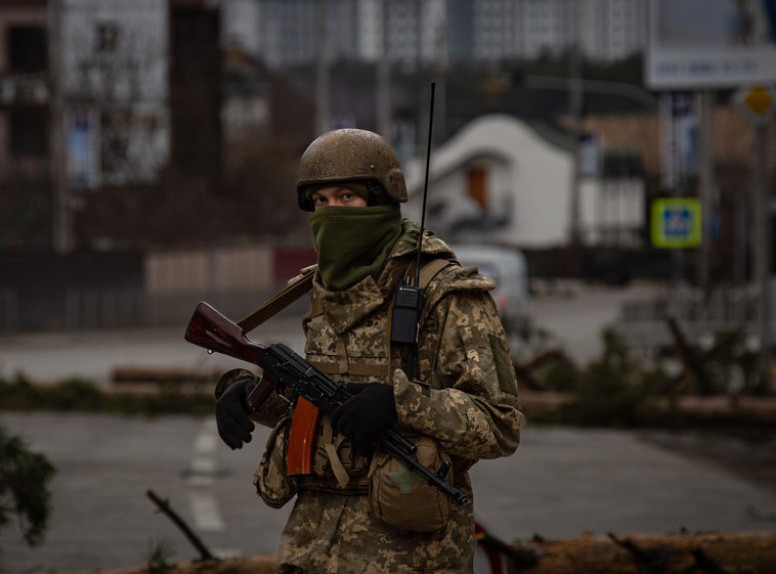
[(27, 49), (107, 37), (28, 133)]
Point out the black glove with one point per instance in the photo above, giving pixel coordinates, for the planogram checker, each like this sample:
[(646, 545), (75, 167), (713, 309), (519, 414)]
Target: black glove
[(234, 424), (368, 412)]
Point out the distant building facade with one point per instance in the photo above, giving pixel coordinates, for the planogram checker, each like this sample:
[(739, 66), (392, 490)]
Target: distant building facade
[(443, 32), (97, 94), (114, 84)]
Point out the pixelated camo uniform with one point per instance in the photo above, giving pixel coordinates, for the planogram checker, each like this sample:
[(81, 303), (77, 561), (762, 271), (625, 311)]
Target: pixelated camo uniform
[(466, 399)]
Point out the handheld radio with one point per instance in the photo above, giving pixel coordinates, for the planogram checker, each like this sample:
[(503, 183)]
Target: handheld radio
[(408, 297)]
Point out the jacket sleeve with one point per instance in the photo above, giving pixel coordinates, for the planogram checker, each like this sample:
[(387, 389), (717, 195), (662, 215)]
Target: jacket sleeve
[(469, 400)]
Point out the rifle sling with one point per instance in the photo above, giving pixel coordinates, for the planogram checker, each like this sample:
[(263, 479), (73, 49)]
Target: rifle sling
[(301, 285), (279, 301)]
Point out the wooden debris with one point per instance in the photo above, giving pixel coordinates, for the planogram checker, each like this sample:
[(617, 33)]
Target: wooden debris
[(732, 410), (524, 371), (164, 507), (683, 553), (162, 376), (693, 375), (706, 553)]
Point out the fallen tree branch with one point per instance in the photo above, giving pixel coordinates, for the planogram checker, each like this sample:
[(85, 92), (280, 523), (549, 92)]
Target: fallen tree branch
[(164, 507)]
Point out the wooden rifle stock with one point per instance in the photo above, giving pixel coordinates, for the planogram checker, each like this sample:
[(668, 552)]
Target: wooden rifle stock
[(213, 331)]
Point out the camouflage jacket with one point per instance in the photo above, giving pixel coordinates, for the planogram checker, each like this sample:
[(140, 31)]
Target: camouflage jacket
[(464, 394)]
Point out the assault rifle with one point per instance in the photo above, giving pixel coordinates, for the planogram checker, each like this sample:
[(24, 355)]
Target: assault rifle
[(314, 392)]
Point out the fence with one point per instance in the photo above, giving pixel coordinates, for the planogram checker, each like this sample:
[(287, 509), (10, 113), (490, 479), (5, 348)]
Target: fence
[(118, 309), (108, 290), (8, 311)]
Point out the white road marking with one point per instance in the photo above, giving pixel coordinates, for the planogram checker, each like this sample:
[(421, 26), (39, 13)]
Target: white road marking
[(204, 506), (203, 470), (206, 442), (205, 510)]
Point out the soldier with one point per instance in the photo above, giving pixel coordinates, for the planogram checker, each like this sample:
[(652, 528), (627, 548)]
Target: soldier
[(454, 392)]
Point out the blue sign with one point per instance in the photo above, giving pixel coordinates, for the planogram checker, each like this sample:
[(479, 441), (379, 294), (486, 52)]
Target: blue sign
[(676, 223)]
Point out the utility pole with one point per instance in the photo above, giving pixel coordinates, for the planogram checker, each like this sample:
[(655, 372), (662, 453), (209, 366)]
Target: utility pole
[(758, 103), (62, 214), (323, 107), (575, 111), (763, 253), (705, 184), (384, 78)]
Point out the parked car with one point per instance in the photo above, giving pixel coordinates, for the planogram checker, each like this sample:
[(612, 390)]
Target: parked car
[(508, 268)]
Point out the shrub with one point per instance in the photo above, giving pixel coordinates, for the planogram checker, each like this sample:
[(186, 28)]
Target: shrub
[(611, 388), (24, 478)]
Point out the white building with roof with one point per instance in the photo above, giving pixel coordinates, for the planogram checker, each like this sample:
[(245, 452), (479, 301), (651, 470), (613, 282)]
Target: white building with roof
[(500, 180)]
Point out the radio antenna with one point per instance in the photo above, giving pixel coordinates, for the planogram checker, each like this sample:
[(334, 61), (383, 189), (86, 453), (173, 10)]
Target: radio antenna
[(408, 298), (425, 185)]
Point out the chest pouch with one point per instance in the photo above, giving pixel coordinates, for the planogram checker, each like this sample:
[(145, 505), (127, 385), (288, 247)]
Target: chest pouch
[(402, 498)]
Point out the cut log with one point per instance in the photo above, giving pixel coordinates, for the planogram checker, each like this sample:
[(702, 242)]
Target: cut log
[(705, 553), (710, 553), (689, 409)]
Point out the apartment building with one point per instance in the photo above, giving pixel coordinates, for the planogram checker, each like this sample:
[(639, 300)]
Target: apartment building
[(283, 32), (101, 93), (24, 93)]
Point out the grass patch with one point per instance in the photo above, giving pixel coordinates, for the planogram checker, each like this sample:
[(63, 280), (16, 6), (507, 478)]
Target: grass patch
[(75, 395)]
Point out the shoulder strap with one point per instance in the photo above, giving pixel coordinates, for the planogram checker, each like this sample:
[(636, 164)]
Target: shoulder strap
[(303, 283), (297, 287), (430, 269)]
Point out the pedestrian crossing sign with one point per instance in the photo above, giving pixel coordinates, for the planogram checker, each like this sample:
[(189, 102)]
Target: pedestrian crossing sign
[(676, 222)]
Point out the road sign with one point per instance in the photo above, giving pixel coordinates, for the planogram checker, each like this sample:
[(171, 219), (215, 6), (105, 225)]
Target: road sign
[(709, 44), (676, 222), (757, 103)]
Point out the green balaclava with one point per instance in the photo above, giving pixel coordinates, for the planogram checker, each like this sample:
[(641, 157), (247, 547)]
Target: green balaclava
[(353, 242)]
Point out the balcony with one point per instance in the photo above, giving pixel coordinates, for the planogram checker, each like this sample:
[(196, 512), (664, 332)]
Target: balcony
[(24, 90)]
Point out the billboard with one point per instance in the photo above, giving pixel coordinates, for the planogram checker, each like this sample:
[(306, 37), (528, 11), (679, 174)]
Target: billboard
[(710, 43)]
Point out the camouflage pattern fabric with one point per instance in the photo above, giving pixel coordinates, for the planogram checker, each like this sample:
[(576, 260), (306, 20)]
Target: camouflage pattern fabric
[(465, 396), (338, 533)]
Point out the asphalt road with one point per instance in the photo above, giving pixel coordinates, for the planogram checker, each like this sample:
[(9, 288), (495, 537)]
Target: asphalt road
[(562, 482), (573, 315)]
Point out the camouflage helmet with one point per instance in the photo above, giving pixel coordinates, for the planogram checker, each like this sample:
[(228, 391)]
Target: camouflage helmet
[(349, 155)]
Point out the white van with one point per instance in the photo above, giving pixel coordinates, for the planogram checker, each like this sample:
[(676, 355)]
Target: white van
[(508, 268)]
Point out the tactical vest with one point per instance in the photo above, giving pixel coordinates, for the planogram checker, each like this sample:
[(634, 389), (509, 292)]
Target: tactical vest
[(348, 339)]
